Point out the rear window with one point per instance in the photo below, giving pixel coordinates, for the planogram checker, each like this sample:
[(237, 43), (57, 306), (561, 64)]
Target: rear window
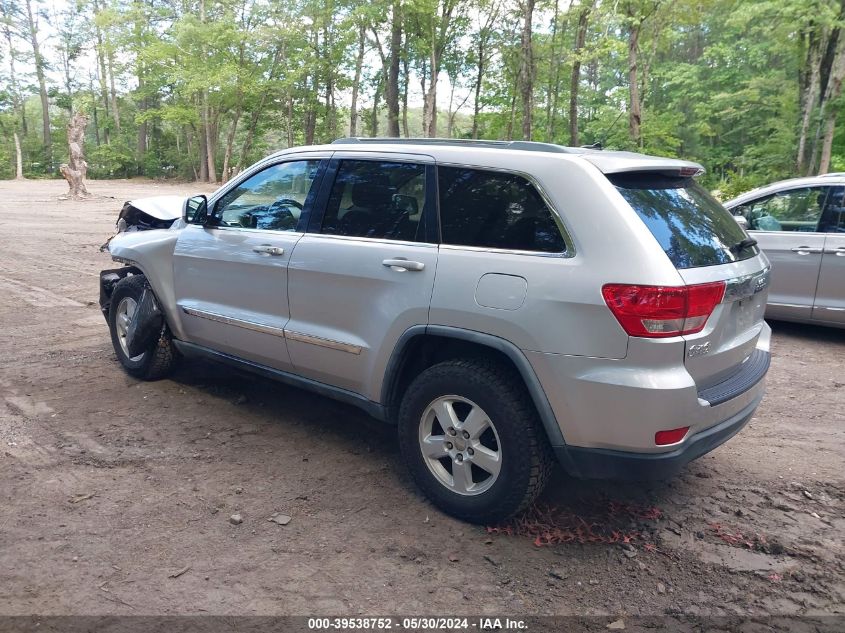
[(691, 226)]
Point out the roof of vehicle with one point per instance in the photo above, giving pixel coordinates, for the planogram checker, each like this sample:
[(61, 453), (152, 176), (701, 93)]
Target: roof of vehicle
[(448, 150), (837, 178)]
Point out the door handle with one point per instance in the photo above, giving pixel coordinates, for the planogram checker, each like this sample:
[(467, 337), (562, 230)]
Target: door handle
[(401, 263), (268, 249), (806, 250), (839, 251)]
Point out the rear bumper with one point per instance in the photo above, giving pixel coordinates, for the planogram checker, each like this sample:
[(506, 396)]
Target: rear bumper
[(598, 463)]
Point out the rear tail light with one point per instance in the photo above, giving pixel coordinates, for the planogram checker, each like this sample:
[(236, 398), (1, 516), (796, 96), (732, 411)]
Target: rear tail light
[(662, 311), (664, 438)]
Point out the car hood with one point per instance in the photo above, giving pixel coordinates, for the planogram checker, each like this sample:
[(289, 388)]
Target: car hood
[(160, 207)]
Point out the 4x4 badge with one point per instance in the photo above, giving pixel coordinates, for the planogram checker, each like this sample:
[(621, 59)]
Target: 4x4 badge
[(698, 350)]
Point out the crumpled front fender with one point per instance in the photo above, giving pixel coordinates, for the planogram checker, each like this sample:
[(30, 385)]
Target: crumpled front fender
[(151, 252)]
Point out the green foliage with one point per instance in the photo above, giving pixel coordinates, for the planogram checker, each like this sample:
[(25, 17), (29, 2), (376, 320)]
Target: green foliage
[(720, 80), (111, 161)]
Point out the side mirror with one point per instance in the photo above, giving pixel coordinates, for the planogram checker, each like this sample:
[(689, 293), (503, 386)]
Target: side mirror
[(195, 210), (742, 221)]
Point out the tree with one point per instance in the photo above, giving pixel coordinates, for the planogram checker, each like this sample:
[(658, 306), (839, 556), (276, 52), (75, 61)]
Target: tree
[(7, 19), (483, 36), (575, 78), (526, 69), (40, 65), (75, 170)]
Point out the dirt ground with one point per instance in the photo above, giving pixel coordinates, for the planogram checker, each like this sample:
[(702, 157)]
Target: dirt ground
[(116, 495)]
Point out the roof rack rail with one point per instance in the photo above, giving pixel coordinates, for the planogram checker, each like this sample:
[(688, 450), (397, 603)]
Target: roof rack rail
[(528, 146), (833, 174)]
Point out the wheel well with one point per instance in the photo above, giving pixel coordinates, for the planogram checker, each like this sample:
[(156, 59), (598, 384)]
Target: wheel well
[(425, 350)]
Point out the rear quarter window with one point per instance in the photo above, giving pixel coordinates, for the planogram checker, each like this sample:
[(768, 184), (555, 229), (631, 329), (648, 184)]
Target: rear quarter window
[(491, 209), (693, 229)]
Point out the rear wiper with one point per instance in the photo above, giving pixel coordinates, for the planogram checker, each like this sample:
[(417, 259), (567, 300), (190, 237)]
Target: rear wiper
[(748, 242)]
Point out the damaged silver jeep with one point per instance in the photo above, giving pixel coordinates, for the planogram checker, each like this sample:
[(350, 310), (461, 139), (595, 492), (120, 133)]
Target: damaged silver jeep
[(502, 303)]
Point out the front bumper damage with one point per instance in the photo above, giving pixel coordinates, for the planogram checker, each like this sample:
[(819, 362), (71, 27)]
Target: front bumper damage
[(146, 321), (108, 280)]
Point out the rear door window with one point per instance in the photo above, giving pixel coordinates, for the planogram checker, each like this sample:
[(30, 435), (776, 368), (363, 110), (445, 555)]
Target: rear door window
[(691, 226), (493, 209), (380, 200)]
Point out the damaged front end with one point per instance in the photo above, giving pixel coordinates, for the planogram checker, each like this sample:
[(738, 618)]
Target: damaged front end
[(108, 280), (147, 214), (146, 321)]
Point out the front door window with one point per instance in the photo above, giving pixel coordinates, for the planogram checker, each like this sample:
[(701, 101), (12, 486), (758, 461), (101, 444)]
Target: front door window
[(273, 199)]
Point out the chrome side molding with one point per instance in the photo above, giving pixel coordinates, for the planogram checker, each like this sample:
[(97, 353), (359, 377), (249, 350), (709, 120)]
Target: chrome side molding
[(247, 325), (322, 342), (274, 331)]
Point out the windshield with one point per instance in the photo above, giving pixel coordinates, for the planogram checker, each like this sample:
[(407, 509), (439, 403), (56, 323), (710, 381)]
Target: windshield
[(691, 226)]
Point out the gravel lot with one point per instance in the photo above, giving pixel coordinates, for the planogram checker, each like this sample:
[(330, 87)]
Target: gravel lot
[(116, 495)]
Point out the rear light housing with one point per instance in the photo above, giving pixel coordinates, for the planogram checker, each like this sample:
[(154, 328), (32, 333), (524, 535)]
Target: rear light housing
[(663, 311)]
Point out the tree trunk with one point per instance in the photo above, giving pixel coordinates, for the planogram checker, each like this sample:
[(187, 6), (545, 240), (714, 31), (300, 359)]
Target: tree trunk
[(554, 75), (114, 111), (430, 100), (450, 116), (142, 130), (423, 77), (203, 151), (359, 64), (634, 106), (809, 100), (101, 65), (832, 93), (210, 137), (18, 158), (42, 86), (230, 142), (17, 101), (406, 80), (392, 88), (94, 112), (526, 70), (479, 77), (374, 113), (575, 80), (511, 118), (75, 170)]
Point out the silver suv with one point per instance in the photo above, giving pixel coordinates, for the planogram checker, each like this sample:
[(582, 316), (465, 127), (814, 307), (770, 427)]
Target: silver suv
[(800, 224), (503, 304)]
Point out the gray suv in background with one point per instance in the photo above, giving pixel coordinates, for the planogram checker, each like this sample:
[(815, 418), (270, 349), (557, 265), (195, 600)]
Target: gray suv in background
[(800, 224), (502, 303)]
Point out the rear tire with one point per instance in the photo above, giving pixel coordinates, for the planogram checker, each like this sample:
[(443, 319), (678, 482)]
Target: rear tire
[(161, 357), (471, 437)]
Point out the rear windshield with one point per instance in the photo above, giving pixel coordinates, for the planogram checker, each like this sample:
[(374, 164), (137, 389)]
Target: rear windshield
[(691, 226)]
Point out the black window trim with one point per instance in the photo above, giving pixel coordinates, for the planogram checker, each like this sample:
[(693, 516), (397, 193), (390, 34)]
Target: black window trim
[(310, 201), (318, 211), (768, 196), (569, 245)]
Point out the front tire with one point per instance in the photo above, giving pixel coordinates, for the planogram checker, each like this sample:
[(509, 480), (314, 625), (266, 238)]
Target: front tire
[(472, 440), (160, 357)]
